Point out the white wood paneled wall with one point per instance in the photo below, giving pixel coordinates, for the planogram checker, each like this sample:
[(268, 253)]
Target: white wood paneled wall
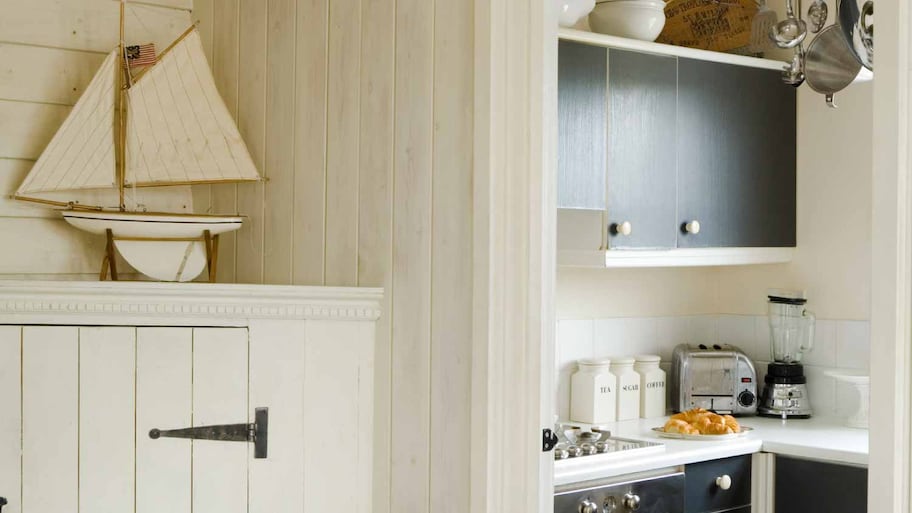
[(360, 115), (49, 51)]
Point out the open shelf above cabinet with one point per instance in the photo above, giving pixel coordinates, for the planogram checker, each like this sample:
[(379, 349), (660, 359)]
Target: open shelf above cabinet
[(621, 43)]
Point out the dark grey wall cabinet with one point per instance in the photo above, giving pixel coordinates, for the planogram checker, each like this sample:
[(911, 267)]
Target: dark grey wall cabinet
[(804, 485), (658, 142), (736, 156), (581, 112), (642, 100), (703, 494)]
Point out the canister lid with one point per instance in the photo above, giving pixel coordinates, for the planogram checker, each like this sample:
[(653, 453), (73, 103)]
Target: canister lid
[(594, 362), (622, 360), (647, 358)]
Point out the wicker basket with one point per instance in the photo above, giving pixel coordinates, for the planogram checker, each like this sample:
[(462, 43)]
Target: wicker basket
[(718, 25)]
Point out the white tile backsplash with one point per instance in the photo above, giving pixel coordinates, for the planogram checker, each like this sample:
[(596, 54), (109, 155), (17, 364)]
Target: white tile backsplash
[(853, 345), (838, 344), (737, 330)]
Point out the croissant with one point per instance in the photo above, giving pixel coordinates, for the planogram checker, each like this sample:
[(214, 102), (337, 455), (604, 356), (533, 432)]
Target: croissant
[(716, 429), (732, 423), (680, 426), (701, 421)]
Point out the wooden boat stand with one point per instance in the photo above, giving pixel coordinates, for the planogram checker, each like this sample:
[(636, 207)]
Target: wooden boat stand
[(109, 261)]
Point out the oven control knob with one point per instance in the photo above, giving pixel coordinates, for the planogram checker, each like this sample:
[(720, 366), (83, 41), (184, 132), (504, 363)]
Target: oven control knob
[(632, 502), (588, 506), (746, 398)]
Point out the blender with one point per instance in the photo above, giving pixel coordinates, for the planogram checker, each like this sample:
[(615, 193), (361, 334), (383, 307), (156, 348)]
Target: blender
[(791, 326)]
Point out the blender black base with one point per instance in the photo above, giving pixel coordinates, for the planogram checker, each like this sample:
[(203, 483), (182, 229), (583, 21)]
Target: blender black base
[(787, 415)]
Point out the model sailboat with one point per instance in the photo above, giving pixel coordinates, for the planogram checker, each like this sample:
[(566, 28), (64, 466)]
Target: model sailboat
[(164, 126)]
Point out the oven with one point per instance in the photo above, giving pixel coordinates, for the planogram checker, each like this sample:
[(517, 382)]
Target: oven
[(660, 491)]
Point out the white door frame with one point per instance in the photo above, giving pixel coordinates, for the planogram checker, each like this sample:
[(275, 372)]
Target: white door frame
[(514, 252), (891, 287)]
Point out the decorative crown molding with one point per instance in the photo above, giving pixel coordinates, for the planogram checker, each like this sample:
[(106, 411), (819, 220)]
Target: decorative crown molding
[(150, 303)]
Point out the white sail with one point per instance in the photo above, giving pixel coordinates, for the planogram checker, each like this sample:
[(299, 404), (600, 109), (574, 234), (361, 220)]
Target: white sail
[(81, 155), (178, 128)]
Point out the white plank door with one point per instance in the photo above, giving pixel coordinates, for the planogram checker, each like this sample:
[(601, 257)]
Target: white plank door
[(78, 404), (190, 377), (10, 417), (50, 419)]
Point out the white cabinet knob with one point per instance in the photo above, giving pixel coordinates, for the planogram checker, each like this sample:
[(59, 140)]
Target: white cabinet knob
[(692, 227), (724, 482), (624, 228)]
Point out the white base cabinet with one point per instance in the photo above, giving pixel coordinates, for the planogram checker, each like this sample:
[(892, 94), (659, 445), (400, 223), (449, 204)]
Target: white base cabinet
[(79, 398)]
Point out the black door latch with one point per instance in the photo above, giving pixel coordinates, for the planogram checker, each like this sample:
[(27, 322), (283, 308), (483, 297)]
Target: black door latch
[(549, 440)]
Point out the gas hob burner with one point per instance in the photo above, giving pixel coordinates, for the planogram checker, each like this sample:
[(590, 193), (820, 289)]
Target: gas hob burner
[(576, 441)]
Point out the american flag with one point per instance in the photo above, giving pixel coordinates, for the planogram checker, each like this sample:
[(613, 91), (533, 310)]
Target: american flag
[(141, 55)]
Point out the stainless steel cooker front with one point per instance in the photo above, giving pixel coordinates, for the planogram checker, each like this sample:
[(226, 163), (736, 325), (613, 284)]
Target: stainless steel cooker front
[(660, 491)]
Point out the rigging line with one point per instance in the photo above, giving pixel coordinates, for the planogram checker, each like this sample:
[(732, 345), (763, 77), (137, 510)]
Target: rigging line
[(166, 51), (170, 89), (52, 149), (192, 108), (131, 136), (93, 159), (159, 145), (206, 88), (92, 118)]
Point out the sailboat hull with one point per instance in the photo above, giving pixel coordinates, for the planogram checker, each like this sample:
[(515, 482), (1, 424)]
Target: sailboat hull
[(165, 260)]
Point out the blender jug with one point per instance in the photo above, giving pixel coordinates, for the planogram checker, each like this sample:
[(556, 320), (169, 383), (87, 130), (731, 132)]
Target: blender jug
[(791, 328)]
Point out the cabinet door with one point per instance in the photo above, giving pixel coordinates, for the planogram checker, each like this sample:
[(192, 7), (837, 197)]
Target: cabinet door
[(736, 156), (642, 100), (704, 494), (805, 485), (582, 122)]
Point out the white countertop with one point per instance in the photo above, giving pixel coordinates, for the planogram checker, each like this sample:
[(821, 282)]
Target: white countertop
[(815, 438)]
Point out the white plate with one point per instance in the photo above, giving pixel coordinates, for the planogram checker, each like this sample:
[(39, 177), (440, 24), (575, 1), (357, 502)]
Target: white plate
[(703, 438)]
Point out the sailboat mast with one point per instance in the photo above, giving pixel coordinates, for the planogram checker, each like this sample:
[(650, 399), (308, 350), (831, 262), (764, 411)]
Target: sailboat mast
[(121, 101)]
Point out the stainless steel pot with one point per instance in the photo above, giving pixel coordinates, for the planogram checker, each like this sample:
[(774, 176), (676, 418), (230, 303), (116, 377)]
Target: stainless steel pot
[(856, 20), (829, 64)]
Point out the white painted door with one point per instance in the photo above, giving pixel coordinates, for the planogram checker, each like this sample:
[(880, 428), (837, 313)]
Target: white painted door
[(77, 403)]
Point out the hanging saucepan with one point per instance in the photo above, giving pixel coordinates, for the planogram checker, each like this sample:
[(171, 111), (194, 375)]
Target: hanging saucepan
[(856, 18), (829, 65)]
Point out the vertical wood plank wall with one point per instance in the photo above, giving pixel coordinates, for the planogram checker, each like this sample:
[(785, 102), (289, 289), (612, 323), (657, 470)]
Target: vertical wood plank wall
[(359, 113), (49, 51)]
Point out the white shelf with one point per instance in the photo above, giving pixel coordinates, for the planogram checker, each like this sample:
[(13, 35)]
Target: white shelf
[(674, 257), (622, 43)]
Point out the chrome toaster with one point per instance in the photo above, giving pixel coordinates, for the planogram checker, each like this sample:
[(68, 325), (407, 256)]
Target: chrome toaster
[(718, 377)]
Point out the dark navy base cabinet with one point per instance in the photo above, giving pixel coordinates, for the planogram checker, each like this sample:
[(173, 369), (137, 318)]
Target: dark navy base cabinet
[(804, 486), (704, 495)]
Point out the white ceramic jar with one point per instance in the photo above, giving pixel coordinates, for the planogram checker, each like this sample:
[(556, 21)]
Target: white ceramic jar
[(652, 385), (628, 388), (592, 392)]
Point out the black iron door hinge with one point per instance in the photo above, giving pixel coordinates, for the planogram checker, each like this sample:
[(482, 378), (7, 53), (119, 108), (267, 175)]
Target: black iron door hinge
[(255, 433), (549, 440)]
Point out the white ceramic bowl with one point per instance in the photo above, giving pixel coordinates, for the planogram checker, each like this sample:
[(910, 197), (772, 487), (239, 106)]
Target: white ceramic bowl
[(636, 19), (572, 10)]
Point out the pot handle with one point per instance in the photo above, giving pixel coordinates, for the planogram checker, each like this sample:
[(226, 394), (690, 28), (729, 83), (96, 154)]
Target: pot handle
[(831, 101), (867, 10)]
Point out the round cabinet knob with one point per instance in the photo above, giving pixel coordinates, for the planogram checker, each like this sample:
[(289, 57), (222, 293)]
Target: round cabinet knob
[(724, 482), (588, 506), (632, 501), (624, 228), (692, 227)]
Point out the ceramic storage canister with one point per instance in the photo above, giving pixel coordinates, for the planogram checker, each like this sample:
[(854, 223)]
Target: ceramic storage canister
[(652, 385), (592, 392), (628, 388)]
